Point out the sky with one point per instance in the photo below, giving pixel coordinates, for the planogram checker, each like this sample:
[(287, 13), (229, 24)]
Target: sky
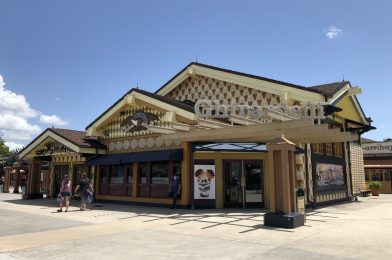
[(63, 63)]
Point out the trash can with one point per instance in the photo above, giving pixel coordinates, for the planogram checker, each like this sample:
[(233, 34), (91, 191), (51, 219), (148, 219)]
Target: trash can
[(24, 192), (300, 200)]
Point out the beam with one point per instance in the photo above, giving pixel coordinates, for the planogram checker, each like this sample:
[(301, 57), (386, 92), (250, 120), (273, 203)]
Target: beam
[(238, 131)]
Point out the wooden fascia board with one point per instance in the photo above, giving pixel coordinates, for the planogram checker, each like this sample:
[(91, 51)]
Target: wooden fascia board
[(92, 129), (338, 95), (180, 78), (166, 106), (261, 85), (48, 134), (358, 108), (92, 151)]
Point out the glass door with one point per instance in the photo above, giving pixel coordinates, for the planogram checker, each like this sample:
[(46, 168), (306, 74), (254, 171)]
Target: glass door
[(233, 192), (243, 183), (253, 183)]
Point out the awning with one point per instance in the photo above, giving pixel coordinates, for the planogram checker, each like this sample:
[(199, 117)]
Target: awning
[(127, 158)]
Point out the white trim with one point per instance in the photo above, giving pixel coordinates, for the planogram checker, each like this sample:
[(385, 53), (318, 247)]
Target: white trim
[(259, 84)]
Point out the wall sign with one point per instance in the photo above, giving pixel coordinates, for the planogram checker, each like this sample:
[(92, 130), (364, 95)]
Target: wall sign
[(204, 181), (139, 121), (377, 148), (329, 175), (214, 108), (51, 148)]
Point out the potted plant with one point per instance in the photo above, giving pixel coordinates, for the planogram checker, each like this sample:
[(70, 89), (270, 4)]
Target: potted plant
[(375, 187)]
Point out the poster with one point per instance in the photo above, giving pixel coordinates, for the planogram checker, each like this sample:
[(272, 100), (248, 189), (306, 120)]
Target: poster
[(329, 175), (204, 182)]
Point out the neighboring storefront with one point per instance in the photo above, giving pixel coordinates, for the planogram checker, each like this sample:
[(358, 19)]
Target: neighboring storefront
[(55, 153), (378, 163), (220, 132)]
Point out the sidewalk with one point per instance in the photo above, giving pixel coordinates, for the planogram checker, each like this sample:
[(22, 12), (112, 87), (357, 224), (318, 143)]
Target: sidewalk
[(121, 231)]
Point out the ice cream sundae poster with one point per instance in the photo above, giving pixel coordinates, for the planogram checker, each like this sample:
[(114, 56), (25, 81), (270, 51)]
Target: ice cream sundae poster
[(204, 182)]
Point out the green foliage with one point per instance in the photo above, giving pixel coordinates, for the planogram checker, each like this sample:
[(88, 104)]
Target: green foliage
[(4, 150), (374, 185)]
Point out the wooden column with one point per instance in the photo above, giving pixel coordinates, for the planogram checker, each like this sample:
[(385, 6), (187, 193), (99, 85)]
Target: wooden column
[(135, 179), (186, 173), (281, 176)]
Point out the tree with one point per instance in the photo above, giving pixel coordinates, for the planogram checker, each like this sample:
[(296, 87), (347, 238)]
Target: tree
[(4, 149)]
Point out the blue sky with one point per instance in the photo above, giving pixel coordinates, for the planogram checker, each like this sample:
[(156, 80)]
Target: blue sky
[(66, 62)]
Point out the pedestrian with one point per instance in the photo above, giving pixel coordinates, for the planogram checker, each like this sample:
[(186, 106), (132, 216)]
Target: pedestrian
[(65, 192), (84, 186), (175, 190), (23, 180)]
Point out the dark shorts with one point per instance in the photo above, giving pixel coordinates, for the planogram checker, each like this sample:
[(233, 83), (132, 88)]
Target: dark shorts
[(83, 196), (65, 194)]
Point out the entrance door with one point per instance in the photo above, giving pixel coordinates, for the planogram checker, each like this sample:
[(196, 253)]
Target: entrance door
[(243, 183), (59, 172), (233, 193), (254, 183)]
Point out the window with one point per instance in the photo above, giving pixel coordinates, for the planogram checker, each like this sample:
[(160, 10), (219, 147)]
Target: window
[(116, 174), (387, 175), (102, 175), (377, 176), (329, 149), (318, 148), (367, 176), (159, 173), (143, 173), (130, 174), (338, 149)]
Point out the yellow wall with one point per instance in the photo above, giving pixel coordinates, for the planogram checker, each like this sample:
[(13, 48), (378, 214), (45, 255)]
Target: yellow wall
[(349, 111), (218, 157)]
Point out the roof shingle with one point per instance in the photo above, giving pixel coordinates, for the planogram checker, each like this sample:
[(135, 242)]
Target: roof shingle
[(330, 89)]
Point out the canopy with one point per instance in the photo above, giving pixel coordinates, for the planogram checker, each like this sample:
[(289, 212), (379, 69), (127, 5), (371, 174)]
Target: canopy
[(127, 158)]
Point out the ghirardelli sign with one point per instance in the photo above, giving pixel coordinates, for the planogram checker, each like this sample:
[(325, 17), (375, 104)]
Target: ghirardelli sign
[(139, 121)]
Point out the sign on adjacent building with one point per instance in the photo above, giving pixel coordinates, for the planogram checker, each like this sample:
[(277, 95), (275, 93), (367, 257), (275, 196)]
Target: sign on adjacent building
[(377, 148)]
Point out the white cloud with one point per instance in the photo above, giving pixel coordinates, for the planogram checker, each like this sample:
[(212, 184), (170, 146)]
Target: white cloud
[(53, 120), (332, 32), (15, 113), (13, 146)]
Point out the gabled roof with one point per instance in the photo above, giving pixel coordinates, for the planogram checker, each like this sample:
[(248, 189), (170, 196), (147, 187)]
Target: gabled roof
[(168, 100), (240, 74), (330, 89), (175, 103), (75, 140), (78, 138)]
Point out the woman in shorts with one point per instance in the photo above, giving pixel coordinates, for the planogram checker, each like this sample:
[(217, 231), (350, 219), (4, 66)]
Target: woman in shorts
[(65, 192)]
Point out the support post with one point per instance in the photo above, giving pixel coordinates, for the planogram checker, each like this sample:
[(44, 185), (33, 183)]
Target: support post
[(282, 186)]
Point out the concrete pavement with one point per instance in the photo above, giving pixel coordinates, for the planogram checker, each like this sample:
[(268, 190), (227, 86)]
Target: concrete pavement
[(34, 230)]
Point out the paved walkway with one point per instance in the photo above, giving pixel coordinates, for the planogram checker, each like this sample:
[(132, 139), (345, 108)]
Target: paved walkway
[(34, 230)]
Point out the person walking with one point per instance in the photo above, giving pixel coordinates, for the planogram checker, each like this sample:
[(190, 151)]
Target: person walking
[(65, 192), (175, 190), (84, 186)]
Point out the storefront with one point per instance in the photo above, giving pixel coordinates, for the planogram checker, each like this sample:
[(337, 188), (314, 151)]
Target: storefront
[(233, 139), (378, 163), (212, 127), (54, 154)]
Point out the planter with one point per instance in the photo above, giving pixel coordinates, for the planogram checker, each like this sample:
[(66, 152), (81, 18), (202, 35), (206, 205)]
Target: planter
[(375, 192)]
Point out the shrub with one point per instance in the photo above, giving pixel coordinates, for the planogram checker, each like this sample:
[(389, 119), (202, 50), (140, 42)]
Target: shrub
[(375, 185)]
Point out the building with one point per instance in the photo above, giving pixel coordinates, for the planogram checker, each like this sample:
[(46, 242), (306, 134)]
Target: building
[(234, 139), (378, 163)]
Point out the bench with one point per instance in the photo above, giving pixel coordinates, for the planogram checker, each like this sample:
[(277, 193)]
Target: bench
[(364, 193)]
